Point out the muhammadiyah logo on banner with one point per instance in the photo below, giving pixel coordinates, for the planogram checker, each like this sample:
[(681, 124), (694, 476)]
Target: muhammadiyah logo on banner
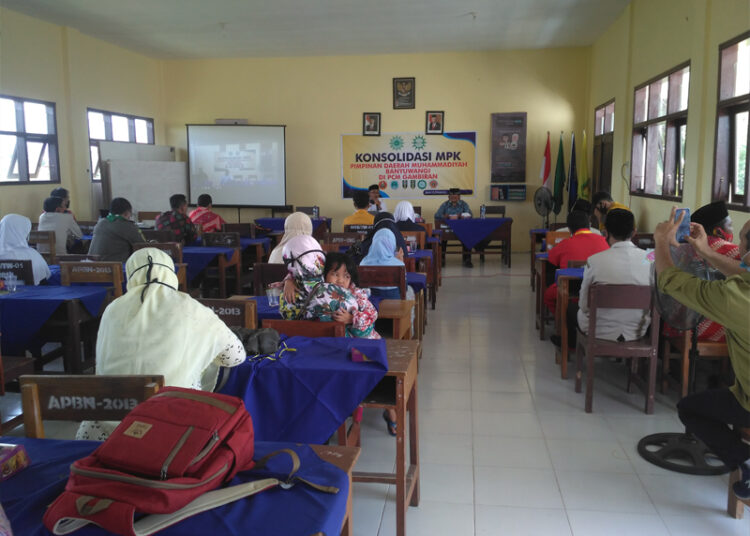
[(409, 165)]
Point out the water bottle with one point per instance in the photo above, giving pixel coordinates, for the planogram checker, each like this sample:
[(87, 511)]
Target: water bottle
[(316, 212), (483, 211)]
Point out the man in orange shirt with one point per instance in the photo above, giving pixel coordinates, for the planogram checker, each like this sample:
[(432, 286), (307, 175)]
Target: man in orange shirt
[(361, 200), (209, 221), (579, 247)]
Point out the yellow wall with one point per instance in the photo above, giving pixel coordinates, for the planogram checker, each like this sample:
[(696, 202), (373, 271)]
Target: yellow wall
[(320, 98), (650, 37), (59, 64)]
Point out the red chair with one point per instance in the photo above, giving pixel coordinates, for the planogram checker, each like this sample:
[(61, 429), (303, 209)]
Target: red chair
[(588, 346)]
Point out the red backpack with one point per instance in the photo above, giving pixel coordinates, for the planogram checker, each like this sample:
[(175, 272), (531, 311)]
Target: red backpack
[(161, 459)]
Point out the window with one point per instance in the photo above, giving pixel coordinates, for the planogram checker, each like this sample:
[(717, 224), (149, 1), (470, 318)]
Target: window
[(657, 164), (604, 127), (732, 125), (110, 126), (28, 141)]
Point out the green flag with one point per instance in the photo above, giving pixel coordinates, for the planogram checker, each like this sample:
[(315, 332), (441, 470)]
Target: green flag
[(559, 179)]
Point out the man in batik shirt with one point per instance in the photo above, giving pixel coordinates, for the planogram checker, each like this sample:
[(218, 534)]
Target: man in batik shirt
[(177, 221)]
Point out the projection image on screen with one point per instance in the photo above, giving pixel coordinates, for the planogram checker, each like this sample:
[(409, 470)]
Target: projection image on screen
[(237, 165)]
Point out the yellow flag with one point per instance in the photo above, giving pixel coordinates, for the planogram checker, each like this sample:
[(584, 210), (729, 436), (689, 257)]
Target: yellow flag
[(584, 188)]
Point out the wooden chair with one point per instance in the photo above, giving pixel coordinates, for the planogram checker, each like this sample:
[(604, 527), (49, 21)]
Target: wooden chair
[(361, 229), (264, 274), (46, 239), (306, 328), (239, 313), (21, 269), (182, 281), (305, 210), (735, 506), (383, 276), (644, 240), (681, 346), (11, 368), (588, 346), (173, 249), (81, 398), (76, 257), (344, 239), (417, 237), (556, 226), (418, 210), (331, 248), (282, 211), (555, 237), (495, 210), (92, 272), (226, 240), (147, 216), (159, 236), (243, 229)]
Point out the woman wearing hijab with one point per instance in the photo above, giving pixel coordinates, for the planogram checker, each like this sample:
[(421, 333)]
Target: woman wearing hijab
[(14, 246), (384, 220), (155, 329), (313, 297), (383, 253), (405, 217), (296, 224)]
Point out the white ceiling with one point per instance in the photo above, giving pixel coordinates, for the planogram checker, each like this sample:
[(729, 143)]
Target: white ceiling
[(236, 28)]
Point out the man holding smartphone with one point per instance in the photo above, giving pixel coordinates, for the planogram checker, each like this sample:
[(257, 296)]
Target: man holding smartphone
[(716, 416)]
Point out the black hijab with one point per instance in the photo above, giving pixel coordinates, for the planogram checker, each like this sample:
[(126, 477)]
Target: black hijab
[(384, 220)]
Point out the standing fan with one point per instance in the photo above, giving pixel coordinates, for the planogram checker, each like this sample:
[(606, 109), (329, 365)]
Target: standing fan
[(679, 451), (543, 204)]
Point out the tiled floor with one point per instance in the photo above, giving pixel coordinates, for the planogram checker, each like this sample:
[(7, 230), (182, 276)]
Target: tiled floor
[(506, 448)]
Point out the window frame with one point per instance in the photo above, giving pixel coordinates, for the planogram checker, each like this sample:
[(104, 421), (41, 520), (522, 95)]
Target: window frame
[(599, 142), (20, 154), (672, 121), (726, 111), (108, 136)]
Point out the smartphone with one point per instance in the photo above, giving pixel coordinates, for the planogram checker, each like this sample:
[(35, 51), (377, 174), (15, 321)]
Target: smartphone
[(684, 228)]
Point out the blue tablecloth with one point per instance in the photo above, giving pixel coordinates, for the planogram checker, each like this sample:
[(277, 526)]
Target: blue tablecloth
[(305, 395), (575, 272), (417, 281), (277, 224), (23, 313), (421, 254), (473, 230), (541, 255), (198, 257), (298, 511), (248, 242)]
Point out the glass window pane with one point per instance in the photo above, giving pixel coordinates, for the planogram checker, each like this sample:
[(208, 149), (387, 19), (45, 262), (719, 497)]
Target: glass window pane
[(638, 166), (120, 130), (609, 118), (96, 126), (8, 115), (38, 154), (95, 173), (735, 70), (679, 83), (641, 98), (681, 169), (599, 122), (656, 139), (7, 154), (141, 131), (35, 117), (657, 99), (740, 152)]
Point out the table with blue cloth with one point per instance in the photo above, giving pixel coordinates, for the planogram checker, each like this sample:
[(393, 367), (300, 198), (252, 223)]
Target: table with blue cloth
[(297, 511), (199, 257), (320, 225), (23, 314), (536, 237), (264, 242), (568, 284), (473, 232), (309, 388)]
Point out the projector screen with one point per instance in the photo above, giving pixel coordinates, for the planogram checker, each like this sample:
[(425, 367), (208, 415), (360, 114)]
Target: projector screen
[(238, 165)]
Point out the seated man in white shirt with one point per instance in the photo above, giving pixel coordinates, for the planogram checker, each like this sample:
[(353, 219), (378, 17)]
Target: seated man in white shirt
[(622, 264), (54, 218), (376, 203)]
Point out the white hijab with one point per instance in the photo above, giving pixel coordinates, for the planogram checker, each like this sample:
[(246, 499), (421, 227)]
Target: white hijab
[(404, 211), (155, 329), (14, 246), (296, 224)]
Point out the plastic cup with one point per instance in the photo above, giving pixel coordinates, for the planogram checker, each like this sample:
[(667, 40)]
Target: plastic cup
[(273, 293)]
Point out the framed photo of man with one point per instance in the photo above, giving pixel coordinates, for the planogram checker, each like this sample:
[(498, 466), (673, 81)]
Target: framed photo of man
[(371, 124), (434, 122), (403, 94)]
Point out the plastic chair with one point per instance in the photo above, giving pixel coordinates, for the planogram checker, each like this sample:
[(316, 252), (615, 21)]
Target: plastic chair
[(589, 347), (81, 398), (306, 328)]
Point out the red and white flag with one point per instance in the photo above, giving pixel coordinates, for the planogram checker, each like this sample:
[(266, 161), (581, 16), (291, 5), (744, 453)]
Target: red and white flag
[(546, 164)]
